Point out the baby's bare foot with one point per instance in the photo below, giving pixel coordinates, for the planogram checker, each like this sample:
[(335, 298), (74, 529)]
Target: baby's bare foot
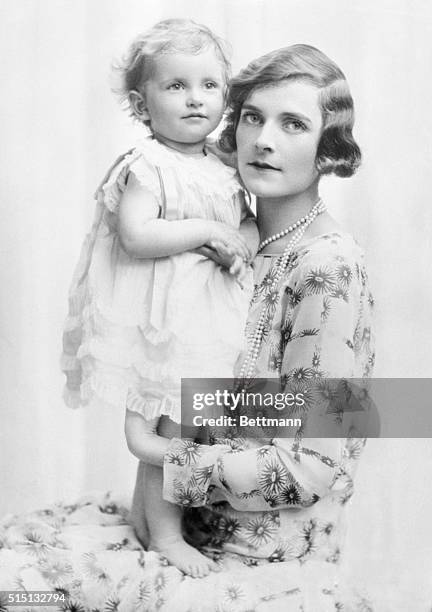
[(184, 557)]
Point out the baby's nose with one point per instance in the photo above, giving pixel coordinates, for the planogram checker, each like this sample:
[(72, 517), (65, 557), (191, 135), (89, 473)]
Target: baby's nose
[(194, 97)]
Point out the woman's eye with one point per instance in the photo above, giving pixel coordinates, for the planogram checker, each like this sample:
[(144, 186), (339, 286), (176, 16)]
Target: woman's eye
[(294, 125), (250, 118), (175, 86)]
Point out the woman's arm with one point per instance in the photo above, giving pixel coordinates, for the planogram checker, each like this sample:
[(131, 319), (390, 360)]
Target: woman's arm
[(143, 235), (248, 227), (319, 333), (225, 255), (249, 231), (282, 474)]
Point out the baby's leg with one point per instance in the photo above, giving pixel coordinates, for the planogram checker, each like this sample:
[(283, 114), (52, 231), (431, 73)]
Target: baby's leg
[(137, 514), (165, 520), (158, 522), (138, 431)]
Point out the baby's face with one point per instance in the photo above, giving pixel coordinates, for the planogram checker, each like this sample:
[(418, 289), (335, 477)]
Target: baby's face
[(184, 99)]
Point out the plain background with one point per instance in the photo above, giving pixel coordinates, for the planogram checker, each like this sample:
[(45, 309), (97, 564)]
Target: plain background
[(62, 128)]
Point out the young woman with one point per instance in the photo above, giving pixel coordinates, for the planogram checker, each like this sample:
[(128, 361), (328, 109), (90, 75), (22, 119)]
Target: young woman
[(291, 122)]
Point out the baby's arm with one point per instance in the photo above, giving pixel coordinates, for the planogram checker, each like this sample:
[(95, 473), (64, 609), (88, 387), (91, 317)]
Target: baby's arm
[(144, 235)]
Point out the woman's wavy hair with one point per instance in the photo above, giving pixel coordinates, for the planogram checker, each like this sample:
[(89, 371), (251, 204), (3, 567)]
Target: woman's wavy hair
[(337, 152), (167, 36)]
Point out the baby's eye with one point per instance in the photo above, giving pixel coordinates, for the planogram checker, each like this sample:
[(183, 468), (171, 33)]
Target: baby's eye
[(210, 85), (175, 86), (250, 118)]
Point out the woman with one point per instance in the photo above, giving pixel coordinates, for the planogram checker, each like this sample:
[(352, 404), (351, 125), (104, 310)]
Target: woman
[(291, 122)]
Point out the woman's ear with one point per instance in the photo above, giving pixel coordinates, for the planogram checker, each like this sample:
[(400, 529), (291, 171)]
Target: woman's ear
[(138, 105)]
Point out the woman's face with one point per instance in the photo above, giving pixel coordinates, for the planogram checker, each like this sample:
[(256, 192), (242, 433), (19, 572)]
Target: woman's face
[(277, 139)]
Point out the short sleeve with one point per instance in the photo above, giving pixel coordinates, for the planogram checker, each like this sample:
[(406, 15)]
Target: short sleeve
[(147, 175), (145, 172)]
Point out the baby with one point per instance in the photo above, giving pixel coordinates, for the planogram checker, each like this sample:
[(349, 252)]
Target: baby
[(162, 289)]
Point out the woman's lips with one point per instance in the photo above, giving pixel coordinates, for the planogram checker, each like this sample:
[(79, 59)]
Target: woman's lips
[(263, 166)]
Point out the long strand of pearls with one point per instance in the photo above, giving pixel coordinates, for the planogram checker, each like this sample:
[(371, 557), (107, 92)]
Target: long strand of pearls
[(317, 208), (255, 338)]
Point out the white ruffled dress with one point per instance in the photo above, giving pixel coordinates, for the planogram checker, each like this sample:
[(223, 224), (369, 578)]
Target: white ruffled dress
[(137, 326)]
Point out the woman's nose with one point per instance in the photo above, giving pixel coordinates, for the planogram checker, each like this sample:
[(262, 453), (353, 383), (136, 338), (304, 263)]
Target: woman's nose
[(265, 139)]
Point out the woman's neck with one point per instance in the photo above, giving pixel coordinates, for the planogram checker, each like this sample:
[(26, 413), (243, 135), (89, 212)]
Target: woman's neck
[(276, 214)]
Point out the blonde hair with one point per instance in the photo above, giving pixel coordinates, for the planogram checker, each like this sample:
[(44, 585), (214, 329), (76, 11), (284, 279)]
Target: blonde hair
[(168, 36)]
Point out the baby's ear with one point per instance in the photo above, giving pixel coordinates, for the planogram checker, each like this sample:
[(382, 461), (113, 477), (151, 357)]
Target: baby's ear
[(138, 104)]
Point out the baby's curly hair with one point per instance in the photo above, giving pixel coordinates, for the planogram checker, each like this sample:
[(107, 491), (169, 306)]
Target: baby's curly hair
[(338, 152), (167, 36)]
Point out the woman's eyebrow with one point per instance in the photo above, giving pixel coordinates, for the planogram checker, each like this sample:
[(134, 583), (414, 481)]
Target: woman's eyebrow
[(250, 107), (295, 115)]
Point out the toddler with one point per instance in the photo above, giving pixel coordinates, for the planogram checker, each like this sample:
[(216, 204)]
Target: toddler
[(162, 288)]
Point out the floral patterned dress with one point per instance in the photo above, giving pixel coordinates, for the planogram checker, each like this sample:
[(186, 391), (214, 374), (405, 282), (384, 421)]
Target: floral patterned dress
[(271, 514), (284, 500)]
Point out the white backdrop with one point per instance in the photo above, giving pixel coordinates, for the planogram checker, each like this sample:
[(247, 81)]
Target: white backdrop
[(61, 129)]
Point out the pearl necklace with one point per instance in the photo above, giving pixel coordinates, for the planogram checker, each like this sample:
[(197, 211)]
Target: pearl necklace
[(317, 208), (255, 338)]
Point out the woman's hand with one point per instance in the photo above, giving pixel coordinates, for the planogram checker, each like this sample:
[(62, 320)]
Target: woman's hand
[(231, 260), (225, 239), (222, 260), (238, 268), (225, 257)]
